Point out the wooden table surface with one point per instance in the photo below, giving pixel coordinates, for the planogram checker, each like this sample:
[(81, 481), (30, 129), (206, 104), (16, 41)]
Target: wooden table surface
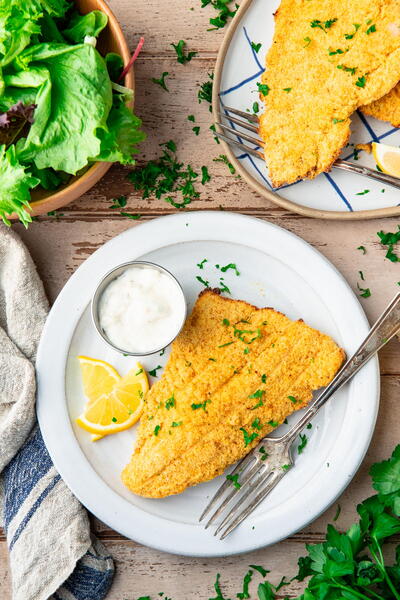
[(60, 244)]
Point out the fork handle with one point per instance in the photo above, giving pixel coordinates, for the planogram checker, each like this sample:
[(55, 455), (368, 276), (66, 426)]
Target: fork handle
[(367, 172), (381, 332)]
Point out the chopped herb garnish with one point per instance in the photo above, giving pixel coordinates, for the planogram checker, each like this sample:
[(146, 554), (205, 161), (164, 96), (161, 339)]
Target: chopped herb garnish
[(371, 29), (338, 511), (309, 426), (241, 333), (170, 403), (256, 424), (303, 443), (213, 359), (212, 127), (205, 176), (222, 158), (202, 263), (246, 350), (176, 423), (273, 423), (246, 582), (114, 420), (287, 90), (362, 248), (263, 88), (230, 266), (361, 81), (263, 572), (203, 281), (181, 57), (234, 480), (196, 130), (205, 91), (335, 121), (263, 452), (286, 467), (119, 202), (256, 107), (257, 394), (248, 437), (293, 399), (223, 287), (307, 41), (201, 405), (365, 292), (162, 352), (363, 193), (138, 372), (227, 344), (191, 118), (134, 217), (225, 12), (153, 372), (225, 322), (337, 51), (156, 430), (349, 36), (361, 274), (264, 378), (256, 47), (316, 23), (390, 239), (161, 81), (351, 70)]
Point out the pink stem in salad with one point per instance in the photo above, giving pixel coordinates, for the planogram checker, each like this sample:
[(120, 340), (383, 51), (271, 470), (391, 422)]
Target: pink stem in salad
[(132, 59)]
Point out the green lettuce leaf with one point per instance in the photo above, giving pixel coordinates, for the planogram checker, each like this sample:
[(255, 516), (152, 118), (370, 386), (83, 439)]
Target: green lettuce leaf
[(73, 103), (119, 142), (80, 26), (15, 186)]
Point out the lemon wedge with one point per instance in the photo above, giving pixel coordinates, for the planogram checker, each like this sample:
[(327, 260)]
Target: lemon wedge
[(387, 158), (98, 377), (117, 409)]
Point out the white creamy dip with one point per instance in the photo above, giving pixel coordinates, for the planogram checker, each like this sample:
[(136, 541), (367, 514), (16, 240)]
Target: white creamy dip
[(142, 310)]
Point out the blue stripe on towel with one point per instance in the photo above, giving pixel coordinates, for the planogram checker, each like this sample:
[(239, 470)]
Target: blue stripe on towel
[(23, 472), (33, 509), (86, 583)]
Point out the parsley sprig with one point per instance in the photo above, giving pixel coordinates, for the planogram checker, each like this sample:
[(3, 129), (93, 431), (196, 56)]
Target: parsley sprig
[(181, 57), (225, 11)]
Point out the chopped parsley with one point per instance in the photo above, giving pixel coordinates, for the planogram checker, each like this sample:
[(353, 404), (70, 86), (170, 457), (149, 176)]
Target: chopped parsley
[(349, 36), (293, 399), (231, 266), (114, 420), (192, 118), (303, 443), (307, 41), (371, 29), (134, 217), (337, 51), (119, 202), (203, 281), (246, 350), (234, 480), (181, 57), (362, 248), (361, 274), (256, 107), (161, 81), (138, 372), (205, 91), (309, 426), (263, 572), (156, 430), (241, 333), (351, 70), (227, 344), (256, 47), (205, 176), (176, 423), (222, 158), (256, 424), (196, 130), (225, 322), (153, 372), (264, 378), (202, 263), (263, 452), (257, 394), (273, 423), (263, 88), (363, 193), (390, 239), (335, 121), (164, 176), (286, 467), (365, 292), (361, 81), (316, 23), (170, 403), (225, 12), (200, 405), (246, 582), (287, 90), (248, 437), (223, 287), (212, 127)]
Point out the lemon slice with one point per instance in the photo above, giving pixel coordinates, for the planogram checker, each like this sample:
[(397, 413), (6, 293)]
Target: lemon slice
[(387, 158), (118, 409), (98, 377)]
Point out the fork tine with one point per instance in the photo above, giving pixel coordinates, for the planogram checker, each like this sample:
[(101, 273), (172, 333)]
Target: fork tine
[(241, 516), (248, 476), (238, 144), (243, 124), (246, 137), (240, 113), (240, 467)]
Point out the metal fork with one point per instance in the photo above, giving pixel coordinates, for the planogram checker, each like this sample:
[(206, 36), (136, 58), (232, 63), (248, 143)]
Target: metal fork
[(246, 122), (261, 470)]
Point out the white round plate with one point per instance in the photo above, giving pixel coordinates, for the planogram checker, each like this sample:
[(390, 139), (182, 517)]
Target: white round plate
[(337, 194), (276, 269)]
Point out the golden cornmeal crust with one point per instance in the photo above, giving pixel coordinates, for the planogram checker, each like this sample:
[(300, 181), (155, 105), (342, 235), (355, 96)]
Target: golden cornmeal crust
[(210, 363), (386, 108), (305, 128)]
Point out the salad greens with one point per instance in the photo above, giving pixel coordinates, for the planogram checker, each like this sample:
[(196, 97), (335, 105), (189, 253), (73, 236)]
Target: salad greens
[(61, 106)]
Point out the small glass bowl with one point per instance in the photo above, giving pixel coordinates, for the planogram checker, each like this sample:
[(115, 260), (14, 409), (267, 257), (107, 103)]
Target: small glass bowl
[(107, 279)]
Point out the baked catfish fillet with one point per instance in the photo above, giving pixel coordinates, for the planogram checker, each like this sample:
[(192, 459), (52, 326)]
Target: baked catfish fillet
[(386, 108), (234, 374), (327, 59)]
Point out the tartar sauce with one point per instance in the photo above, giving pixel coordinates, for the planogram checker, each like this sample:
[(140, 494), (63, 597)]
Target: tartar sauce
[(142, 310)]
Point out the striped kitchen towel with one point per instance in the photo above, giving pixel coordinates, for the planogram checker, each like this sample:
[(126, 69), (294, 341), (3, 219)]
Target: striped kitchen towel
[(52, 553)]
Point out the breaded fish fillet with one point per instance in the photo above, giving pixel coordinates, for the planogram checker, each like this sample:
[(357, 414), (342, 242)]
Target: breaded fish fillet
[(327, 59), (386, 108), (235, 372)]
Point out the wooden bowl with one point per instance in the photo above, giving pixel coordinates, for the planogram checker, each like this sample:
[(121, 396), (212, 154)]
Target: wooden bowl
[(111, 39)]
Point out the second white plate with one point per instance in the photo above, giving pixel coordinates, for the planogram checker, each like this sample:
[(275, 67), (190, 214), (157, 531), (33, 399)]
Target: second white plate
[(276, 269)]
